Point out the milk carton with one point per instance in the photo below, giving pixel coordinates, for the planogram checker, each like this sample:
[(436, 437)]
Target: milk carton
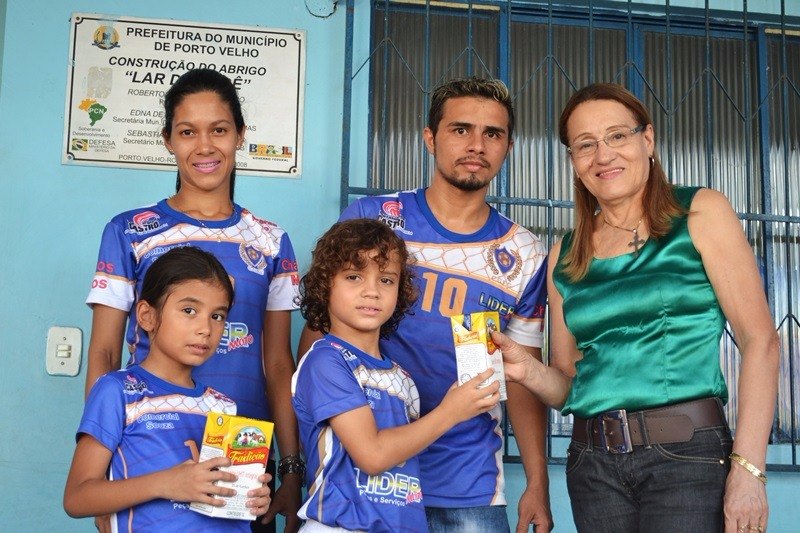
[(475, 350), (246, 442)]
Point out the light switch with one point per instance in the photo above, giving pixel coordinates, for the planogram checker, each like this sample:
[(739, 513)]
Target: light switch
[(63, 352)]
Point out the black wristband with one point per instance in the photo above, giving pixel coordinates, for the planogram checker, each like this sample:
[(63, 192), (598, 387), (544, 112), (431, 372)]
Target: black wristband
[(291, 464)]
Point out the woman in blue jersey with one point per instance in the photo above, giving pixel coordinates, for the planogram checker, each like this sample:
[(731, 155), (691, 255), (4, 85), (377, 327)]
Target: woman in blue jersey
[(203, 128), (136, 455), (639, 294)]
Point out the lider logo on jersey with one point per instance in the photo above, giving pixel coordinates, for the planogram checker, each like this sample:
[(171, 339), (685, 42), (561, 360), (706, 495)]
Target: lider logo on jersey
[(493, 303), (143, 222), (389, 488), (392, 215), (236, 336)]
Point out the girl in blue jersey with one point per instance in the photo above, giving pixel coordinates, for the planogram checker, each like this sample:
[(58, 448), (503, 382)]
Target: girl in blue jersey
[(358, 411), (142, 425)]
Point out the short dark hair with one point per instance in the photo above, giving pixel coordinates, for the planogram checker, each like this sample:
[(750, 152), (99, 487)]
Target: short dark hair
[(491, 89), (202, 80), (180, 264), (344, 244)]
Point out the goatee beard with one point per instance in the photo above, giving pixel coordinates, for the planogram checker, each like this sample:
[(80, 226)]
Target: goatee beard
[(471, 183)]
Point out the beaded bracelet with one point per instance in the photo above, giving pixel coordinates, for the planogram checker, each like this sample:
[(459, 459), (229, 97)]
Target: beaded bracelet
[(750, 467)]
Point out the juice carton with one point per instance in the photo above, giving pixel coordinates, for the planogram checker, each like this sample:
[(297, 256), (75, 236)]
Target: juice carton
[(475, 350), (246, 442)]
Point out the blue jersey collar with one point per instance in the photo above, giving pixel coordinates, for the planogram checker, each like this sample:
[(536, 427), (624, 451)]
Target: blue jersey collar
[(451, 235), (183, 217)]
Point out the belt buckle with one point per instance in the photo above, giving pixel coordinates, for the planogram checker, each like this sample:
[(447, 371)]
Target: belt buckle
[(621, 416)]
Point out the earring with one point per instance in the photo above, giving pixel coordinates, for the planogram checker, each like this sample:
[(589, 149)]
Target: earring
[(652, 160)]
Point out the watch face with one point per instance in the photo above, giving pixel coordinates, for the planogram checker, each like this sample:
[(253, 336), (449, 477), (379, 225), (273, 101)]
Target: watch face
[(291, 464)]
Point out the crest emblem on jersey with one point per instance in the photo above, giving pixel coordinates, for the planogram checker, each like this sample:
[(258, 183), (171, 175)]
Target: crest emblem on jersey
[(504, 261), (253, 258), (392, 215), (144, 222)]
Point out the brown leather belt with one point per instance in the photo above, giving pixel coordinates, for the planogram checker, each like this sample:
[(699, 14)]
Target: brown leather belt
[(619, 431)]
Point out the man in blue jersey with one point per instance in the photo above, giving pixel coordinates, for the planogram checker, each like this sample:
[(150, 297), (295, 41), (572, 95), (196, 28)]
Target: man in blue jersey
[(469, 258)]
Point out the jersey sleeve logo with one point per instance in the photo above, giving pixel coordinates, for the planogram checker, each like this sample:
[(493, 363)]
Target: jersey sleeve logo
[(143, 222), (346, 354), (502, 260), (132, 385), (392, 215)]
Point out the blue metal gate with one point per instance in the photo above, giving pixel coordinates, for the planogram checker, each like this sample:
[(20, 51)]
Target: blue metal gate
[(723, 88)]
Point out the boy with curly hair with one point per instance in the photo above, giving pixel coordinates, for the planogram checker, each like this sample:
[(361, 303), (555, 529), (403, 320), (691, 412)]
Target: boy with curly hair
[(357, 410)]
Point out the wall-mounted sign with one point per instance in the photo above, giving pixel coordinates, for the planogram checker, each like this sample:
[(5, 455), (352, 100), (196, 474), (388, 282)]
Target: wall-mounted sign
[(120, 68)]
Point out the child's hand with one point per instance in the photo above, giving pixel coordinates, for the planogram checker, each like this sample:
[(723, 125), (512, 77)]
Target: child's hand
[(464, 401), (259, 499), (195, 482)]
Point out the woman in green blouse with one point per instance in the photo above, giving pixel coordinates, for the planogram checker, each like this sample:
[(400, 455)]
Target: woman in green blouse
[(639, 294)]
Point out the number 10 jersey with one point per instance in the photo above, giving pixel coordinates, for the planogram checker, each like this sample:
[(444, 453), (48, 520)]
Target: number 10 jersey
[(501, 267)]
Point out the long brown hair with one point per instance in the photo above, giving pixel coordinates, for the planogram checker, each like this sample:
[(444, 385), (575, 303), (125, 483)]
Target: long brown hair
[(659, 203)]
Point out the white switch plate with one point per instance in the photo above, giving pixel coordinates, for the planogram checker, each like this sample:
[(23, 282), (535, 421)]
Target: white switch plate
[(59, 337)]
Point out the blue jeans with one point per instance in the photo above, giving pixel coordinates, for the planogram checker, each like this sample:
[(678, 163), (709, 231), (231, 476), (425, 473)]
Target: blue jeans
[(491, 518), (656, 488)]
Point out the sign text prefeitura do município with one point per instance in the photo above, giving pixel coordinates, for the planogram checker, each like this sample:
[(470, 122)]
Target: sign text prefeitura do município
[(120, 68)]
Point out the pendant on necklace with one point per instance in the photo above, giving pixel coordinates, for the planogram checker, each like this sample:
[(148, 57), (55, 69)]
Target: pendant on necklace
[(215, 232), (636, 243)]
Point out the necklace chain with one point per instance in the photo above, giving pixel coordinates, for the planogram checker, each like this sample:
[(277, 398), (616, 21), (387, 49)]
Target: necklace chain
[(636, 243), (216, 232), (632, 230)]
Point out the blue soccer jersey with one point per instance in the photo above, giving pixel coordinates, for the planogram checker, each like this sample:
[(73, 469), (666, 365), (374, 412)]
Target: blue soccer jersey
[(335, 377), (501, 267), (144, 422), (257, 255)]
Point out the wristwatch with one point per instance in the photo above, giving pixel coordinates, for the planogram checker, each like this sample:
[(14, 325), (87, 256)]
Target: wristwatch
[(291, 464)]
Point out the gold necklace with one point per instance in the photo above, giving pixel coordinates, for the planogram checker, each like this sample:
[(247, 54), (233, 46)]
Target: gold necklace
[(636, 242)]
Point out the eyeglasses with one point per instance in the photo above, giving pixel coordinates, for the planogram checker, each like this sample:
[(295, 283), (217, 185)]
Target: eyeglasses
[(615, 139)]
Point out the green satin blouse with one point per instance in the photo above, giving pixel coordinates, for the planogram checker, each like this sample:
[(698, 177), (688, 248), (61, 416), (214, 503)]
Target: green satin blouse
[(649, 327)]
